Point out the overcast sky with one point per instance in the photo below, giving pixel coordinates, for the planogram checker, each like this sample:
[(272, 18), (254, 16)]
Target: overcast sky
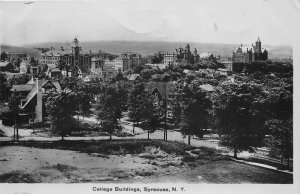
[(207, 21)]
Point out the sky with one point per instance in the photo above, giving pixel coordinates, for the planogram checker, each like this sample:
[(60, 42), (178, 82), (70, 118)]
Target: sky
[(203, 21)]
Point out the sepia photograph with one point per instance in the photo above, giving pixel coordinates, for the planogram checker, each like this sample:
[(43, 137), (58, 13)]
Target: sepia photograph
[(149, 96)]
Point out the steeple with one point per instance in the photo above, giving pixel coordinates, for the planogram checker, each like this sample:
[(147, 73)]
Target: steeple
[(258, 40)]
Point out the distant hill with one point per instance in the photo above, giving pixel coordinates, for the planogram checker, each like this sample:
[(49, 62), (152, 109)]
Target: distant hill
[(29, 51), (149, 48)]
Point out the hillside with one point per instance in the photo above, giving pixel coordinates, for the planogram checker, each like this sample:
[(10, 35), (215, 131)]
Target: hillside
[(148, 48), (30, 52)]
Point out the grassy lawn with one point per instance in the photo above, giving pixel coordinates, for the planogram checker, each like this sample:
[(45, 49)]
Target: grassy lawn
[(205, 165), (226, 171), (116, 147)]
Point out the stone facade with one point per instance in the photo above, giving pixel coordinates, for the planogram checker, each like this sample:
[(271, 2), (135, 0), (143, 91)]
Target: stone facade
[(254, 53)]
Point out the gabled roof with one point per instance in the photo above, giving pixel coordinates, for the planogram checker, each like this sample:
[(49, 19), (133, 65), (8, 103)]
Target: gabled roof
[(207, 87), (4, 64), (21, 88), (26, 62), (222, 69), (161, 87), (133, 77), (38, 85), (160, 76)]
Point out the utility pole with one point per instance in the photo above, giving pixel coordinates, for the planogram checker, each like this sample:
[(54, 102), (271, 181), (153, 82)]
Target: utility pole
[(165, 104)]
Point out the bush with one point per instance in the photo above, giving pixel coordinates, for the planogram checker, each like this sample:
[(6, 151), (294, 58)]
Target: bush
[(188, 158)]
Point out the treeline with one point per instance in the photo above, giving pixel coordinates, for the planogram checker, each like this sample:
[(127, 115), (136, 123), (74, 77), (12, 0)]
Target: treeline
[(264, 67)]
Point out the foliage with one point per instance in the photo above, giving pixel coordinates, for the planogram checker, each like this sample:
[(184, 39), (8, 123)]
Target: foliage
[(135, 101), (20, 79), (71, 83), (150, 113), (264, 67), (239, 114), (60, 109), (280, 122), (83, 101), (158, 58), (4, 56), (4, 88), (195, 109), (109, 110)]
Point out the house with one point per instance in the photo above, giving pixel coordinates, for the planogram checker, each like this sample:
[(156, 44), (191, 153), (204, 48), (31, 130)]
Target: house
[(164, 93), (32, 107), (24, 66), (160, 77), (93, 78), (35, 69), (157, 66), (134, 77), (119, 63), (223, 71), (187, 71), (227, 64), (119, 77), (207, 87), (21, 90), (53, 72), (109, 73)]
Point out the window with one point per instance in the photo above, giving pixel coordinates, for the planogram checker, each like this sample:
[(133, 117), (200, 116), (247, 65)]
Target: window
[(168, 104), (156, 95), (169, 114), (161, 102)]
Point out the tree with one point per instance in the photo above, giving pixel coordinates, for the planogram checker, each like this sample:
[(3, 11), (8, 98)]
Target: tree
[(280, 123), (108, 110), (135, 102), (21, 79), (239, 114), (4, 56), (158, 58), (195, 113), (60, 109), (4, 88), (150, 113)]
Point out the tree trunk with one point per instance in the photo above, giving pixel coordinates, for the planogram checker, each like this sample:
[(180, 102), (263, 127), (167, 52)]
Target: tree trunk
[(78, 122), (235, 152), (33, 126), (110, 134), (166, 134), (15, 131), (148, 134), (189, 140), (133, 128)]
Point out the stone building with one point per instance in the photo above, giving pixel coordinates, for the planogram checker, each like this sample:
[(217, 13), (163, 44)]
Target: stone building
[(74, 57), (250, 54)]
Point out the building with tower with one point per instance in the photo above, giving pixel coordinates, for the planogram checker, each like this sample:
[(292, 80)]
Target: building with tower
[(72, 62), (249, 54), (182, 55)]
